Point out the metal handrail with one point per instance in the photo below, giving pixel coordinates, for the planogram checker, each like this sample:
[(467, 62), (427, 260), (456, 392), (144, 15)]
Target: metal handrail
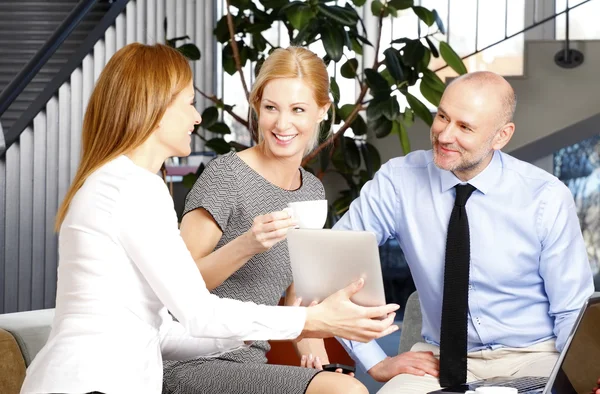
[(20, 82), (11, 135), (506, 35)]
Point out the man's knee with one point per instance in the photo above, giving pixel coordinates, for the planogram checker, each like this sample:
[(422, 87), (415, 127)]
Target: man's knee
[(410, 384)]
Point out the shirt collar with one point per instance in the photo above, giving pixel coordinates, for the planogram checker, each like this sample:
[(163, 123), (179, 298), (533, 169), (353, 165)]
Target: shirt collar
[(483, 181)]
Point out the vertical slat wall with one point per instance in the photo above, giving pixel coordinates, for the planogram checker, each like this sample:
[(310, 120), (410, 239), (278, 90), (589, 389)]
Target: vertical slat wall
[(36, 172)]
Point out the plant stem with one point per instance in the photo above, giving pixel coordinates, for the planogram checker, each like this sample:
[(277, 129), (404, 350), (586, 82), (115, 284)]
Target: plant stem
[(358, 104), (236, 52), (219, 102)]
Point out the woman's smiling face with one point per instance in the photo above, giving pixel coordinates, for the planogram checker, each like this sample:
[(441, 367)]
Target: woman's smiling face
[(288, 117)]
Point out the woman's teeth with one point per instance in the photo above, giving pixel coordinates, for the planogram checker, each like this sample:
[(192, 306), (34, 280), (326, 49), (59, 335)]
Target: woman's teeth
[(284, 137)]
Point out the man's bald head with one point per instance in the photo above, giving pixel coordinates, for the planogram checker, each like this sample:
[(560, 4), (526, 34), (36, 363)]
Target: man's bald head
[(495, 84)]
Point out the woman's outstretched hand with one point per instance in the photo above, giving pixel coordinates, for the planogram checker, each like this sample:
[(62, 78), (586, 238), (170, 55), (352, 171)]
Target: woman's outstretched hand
[(340, 317)]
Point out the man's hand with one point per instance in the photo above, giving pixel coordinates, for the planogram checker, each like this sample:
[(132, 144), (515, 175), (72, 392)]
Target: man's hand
[(414, 363)]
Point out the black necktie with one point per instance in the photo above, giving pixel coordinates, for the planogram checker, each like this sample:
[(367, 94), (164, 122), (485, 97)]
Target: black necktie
[(453, 338)]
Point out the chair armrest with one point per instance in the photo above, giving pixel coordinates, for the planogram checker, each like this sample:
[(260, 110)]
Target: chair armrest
[(30, 330)]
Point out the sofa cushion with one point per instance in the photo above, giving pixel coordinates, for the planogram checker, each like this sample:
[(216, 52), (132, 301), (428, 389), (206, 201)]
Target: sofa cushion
[(12, 364)]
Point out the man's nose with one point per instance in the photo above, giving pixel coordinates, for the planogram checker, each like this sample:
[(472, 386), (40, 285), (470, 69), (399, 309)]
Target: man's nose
[(447, 135)]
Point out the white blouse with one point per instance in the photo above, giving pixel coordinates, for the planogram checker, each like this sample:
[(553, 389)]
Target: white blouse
[(122, 264)]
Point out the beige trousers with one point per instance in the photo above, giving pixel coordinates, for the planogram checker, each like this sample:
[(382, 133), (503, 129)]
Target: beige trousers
[(536, 360)]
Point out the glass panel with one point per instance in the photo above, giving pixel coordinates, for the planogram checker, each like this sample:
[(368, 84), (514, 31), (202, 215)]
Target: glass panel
[(472, 25), (578, 166), (583, 24)]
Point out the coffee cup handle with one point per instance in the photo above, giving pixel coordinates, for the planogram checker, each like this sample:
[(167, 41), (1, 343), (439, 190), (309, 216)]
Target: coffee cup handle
[(289, 211)]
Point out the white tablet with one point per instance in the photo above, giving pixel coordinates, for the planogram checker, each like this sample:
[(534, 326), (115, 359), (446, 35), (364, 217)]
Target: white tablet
[(325, 261)]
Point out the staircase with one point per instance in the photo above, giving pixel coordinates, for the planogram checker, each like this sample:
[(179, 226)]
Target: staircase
[(37, 169), (25, 25)]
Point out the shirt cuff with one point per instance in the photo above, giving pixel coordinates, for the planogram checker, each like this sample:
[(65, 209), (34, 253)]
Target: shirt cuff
[(366, 355)]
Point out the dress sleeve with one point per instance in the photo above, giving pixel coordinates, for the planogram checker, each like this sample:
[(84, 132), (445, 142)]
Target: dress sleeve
[(216, 191), (146, 227)]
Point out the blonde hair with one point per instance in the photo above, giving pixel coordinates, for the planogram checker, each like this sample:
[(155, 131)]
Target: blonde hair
[(129, 100), (292, 62)]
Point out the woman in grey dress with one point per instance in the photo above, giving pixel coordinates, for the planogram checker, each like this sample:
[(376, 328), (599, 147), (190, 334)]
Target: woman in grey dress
[(234, 223)]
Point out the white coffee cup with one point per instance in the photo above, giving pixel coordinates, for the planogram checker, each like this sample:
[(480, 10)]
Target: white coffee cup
[(308, 214), (493, 390)]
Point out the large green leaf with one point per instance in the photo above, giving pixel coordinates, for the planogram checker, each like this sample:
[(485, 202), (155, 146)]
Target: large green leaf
[(346, 156), (240, 4), (274, 3), (258, 28), (259, 42), (359, 3), (438, 22), (392, 62), (335, 90), (219, 128), (452, 58), (428, 91), (339, 14), (424, 14), (221, 31), (424, 63), (408, 117), (381, 126), (346, 110), (348, 69), (432, 47), (190, 51), (333, 41), (356, 46), (401, 4), (209, 117), (434, 80), (219, 145), (413, 53), (373, 158), (403, 135), (358, 126), (383, 106), (419, 108), (377, 83), (300, 16), (376, 8), (228, 60)]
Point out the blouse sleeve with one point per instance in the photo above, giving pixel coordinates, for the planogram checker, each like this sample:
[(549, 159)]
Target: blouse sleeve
[(177, 344), (146, 227), (216, 191)]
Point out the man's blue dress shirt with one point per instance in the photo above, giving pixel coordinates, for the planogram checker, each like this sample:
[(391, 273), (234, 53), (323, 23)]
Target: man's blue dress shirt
[(529, 267)]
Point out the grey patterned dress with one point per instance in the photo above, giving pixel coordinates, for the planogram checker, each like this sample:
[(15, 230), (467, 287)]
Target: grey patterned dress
[(234, 194)]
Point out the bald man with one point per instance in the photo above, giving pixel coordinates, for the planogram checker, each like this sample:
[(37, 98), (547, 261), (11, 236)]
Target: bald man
[(528, 273)]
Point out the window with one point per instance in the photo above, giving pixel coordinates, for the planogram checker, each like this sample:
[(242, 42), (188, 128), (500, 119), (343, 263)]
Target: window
[(578, 166)]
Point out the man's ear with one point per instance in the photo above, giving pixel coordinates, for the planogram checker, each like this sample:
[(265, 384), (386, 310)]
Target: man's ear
[(503, 136)]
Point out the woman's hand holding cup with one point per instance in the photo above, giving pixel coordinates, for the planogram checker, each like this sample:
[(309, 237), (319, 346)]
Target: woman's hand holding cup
[(267, 230), (338, 316)]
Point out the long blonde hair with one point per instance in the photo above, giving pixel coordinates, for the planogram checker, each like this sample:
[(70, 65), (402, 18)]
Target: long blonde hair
[(292, 62), (129, 99)]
